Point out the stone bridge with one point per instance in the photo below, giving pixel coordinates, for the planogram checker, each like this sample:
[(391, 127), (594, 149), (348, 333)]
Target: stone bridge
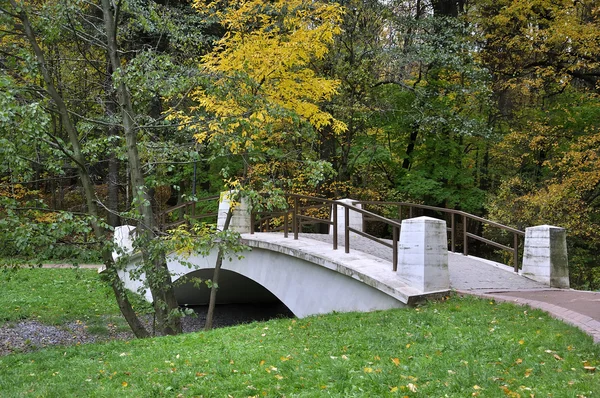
[(310, 273)]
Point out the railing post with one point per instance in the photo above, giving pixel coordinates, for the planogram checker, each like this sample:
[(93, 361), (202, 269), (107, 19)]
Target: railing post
[(465, 237), (295, 218), (545, 257), (335, 226), (252, 221), (395, 248), (347, 228), (285, 224), (410, 212), (400, 213), (516, 252)]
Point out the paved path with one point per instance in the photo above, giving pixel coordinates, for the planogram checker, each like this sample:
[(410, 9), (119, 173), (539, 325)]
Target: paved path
[(478, 277)]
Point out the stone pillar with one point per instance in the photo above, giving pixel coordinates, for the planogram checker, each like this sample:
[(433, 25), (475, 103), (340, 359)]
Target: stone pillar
[(123, 238), (356, 219), (423, 254), (545, 256), (240, 221)]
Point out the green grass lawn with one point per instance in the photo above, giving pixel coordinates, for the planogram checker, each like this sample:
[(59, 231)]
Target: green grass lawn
[(57, 296), (461, 347)]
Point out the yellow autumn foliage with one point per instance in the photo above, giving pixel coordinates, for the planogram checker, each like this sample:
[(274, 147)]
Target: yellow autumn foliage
[(260, 71)]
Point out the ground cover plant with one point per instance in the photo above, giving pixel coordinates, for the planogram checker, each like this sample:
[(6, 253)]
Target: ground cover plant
[(456, 348)]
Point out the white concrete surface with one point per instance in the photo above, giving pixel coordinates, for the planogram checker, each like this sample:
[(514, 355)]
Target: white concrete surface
[(240, 220), (423, 254), (309, 277), (545, 256), (355, 219), (123, 238)]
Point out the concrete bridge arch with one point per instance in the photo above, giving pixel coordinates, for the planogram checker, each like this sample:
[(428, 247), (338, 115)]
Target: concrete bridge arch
[(307, 276)]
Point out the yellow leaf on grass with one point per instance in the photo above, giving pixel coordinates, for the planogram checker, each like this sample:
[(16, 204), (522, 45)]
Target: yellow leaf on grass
[(368, 370), (393, 389), (396, 361), (124, 384), (278, 377), (412, 387)]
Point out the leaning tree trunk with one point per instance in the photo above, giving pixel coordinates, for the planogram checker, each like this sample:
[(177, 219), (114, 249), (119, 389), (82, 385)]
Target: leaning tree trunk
[(215, 279), (77, 157)]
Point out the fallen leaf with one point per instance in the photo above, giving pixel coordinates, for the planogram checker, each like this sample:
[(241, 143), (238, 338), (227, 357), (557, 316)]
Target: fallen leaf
[(396, 361), (590, 368), (521, 342), (368, 370), (558, 358), (519, 361), (393, 389), (412, 387), (278, 377), (124, 384)]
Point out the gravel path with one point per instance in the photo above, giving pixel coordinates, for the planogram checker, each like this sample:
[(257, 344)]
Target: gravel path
[(26, 336)]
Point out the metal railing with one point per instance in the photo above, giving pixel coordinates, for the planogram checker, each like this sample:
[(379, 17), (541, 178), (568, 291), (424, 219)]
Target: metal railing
[(450, 215), (183, 213), (298, 207), (325, 212)]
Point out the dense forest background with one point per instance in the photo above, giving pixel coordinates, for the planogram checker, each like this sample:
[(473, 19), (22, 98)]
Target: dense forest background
[(115, 110)]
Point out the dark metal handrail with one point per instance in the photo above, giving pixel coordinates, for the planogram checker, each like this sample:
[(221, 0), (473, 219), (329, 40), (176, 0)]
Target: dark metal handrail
[(187, 212), (298, 219), (466, 217)]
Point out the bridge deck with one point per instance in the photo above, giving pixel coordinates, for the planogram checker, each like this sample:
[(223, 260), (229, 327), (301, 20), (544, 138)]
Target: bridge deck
[(466, 272)]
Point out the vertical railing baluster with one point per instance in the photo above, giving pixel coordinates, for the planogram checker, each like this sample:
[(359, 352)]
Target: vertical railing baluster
[(285, 224), (295, 218), (346, 228), (465, 237), (252, 222), (335, 225), (452, 233), (395, 248), (516, 252)]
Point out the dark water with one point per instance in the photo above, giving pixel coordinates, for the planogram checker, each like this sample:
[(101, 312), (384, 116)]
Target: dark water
[(235, 314)]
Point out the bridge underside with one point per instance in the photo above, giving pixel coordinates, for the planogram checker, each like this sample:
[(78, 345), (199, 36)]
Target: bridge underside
[(233, 289)]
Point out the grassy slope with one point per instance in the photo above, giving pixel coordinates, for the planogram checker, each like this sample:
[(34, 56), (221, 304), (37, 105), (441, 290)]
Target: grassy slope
[(459, 348)]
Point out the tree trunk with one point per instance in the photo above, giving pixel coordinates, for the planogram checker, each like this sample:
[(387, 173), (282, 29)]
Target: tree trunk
[(158, 276), (86, 182), (215, 279)]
